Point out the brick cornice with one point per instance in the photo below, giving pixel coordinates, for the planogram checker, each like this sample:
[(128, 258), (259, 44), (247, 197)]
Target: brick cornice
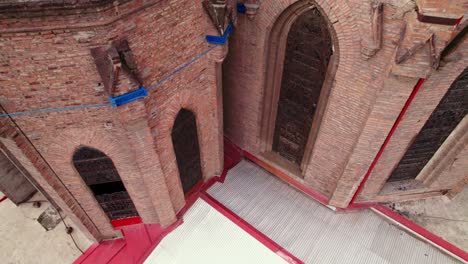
[(47, 7), (102, 18)]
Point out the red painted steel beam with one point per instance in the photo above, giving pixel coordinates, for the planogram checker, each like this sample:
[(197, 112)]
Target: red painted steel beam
[(3, 198), (285, 177), (259, 236), (119, 223)]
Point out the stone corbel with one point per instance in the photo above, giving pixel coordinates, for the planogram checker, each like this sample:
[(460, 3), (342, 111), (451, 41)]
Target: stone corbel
[(372, 46), (113, 61), (404, 54), (220, 13)]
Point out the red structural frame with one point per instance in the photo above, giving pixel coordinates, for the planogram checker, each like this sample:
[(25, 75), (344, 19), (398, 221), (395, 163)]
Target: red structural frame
[(317, 196), (166, 231), (262, 238), (387, 139), (233, 155), (355, 206), (3, 198), (199, 191), (119, 223)]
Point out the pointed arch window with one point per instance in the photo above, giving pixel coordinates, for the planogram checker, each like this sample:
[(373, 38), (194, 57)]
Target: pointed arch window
[(100, 175)]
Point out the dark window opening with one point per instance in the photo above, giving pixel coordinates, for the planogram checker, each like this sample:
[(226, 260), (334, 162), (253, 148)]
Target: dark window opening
[(101, 176), (448, 114), (185, 141), (308, 52), (107, 188)]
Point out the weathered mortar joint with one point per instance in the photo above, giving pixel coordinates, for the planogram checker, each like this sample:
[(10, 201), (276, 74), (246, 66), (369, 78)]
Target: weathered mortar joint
[(80, 37)]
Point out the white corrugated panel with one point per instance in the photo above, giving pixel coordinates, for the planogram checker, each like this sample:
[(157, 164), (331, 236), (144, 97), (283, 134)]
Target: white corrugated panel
[(208, 237)]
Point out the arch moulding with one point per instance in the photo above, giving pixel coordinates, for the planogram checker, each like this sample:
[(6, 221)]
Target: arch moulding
[(328, 148)]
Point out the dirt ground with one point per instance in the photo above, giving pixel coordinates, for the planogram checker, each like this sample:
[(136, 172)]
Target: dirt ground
[(443, 217), (25, 240)]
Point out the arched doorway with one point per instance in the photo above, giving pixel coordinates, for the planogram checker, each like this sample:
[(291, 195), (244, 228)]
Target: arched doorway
[(300, 69), (101, 176), (185, 141)]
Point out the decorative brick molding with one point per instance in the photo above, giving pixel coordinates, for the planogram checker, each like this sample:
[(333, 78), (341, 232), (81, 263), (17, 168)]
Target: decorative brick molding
[(444, 9), (420, 46), (423, 105), (373, 45), (273, 78), (116, 67), (47, 7)]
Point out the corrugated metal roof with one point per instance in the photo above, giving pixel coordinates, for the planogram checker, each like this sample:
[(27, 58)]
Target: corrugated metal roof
[(208, 237), (312, 232)]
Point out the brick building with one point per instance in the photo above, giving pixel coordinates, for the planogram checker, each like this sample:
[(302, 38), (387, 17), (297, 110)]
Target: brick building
[(359, 101)]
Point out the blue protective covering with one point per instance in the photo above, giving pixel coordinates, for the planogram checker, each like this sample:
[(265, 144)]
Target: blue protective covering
[(240, 8), (220, 40), (128, 97)]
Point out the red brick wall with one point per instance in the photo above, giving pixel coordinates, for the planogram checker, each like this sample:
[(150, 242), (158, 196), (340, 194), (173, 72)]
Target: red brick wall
[(365, 99), (423, 105), (46, 62), (352, 93)]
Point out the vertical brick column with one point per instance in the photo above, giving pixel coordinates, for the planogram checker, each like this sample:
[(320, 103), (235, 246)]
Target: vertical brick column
[(133, 118), (217, 56)]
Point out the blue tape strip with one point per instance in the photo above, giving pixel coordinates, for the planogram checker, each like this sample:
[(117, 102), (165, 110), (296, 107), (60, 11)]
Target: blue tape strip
[(128, 97), (220, 40), (68, 108), (240, 8), (58, 109)]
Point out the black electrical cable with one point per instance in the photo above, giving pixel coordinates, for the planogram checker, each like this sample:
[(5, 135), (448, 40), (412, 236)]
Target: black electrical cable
[(67, 228), (69, 231), (56, 175)]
